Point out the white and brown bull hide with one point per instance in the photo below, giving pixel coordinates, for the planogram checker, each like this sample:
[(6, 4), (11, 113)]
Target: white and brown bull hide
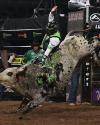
[(71, 50)]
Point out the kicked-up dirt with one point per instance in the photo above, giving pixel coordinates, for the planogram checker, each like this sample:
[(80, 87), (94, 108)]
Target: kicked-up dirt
[(50, 114)]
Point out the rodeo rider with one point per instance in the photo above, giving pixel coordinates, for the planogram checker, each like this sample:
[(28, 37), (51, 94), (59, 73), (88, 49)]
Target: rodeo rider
[(52, 34)]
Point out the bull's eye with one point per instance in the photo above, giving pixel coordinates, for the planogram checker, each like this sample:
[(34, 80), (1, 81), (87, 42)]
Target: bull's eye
[(9, 73)]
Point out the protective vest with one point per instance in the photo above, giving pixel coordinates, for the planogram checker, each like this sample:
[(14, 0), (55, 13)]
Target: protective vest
[(46, 39), (57, 34)]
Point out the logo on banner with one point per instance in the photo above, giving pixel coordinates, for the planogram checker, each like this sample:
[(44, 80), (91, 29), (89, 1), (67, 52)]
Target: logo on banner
[(95, 17), (98, 95)]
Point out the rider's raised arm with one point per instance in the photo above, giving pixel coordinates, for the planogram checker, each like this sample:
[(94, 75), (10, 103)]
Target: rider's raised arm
[(51, 14)]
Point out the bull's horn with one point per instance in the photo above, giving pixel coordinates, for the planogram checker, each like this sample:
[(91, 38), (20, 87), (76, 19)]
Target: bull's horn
[(23, 67)]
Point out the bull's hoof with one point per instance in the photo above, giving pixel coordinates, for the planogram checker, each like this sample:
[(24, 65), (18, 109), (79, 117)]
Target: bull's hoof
[(27, 108)]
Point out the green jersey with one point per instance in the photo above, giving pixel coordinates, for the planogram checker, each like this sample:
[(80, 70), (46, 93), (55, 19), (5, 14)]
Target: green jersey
[(57, 34)]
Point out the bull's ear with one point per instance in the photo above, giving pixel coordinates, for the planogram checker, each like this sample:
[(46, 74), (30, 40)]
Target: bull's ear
[(10, 73)]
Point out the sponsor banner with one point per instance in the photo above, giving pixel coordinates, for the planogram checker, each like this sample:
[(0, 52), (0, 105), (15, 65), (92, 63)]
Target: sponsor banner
[(17, 60), (75, 20), (94, 18), (96, 95)]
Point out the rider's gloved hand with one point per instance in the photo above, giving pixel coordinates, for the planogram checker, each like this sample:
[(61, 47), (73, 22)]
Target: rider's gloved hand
[(35, 61)]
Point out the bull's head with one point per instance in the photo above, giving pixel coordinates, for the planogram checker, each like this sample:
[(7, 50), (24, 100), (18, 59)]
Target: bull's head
[(9, 78)]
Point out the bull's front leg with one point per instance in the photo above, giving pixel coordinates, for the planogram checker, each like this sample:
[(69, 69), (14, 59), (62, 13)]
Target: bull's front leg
[(26, 99), (22, 107), (38, 100)]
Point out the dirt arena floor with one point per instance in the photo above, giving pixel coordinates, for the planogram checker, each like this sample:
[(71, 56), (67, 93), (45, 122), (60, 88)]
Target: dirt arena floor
[(51, 114)]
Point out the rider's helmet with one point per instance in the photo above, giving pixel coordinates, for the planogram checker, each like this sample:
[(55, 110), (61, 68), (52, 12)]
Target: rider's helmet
[(51, 28)]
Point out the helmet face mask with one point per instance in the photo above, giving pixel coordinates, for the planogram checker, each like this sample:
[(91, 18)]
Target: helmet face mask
[(51, 28)]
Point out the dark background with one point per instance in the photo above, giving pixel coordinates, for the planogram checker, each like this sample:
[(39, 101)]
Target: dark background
[(25, 8), (18, 8)]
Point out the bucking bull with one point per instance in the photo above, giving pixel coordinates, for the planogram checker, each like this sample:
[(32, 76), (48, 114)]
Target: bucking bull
[(35, 82)]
